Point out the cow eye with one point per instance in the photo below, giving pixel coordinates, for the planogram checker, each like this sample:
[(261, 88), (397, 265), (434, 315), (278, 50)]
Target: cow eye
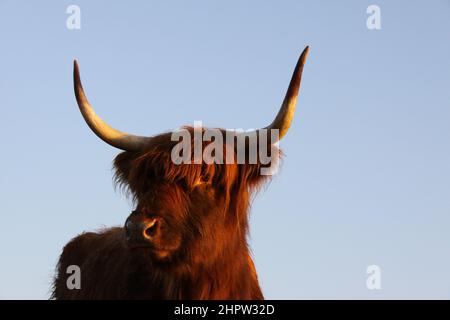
[(205, 178), (183, 184)]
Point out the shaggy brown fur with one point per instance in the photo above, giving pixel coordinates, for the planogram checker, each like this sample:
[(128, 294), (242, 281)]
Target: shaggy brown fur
[(206, 255)]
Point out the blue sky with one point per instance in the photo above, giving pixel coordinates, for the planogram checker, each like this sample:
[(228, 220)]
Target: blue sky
[(366, 177)]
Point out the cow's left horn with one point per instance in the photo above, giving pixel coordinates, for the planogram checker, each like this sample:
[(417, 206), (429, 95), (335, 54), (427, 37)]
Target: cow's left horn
[(108, 134), (285, 115)]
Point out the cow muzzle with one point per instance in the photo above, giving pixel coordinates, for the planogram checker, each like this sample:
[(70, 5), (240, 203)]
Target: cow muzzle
[(142, 231)]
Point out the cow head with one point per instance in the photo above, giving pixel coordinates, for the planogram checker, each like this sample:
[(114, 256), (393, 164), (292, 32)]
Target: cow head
[(187, 212)]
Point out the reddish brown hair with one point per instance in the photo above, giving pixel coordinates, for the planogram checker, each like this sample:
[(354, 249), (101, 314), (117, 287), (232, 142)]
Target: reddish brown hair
[(213, 260)]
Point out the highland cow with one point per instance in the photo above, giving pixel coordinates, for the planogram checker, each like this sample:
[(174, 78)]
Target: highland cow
[(187, 236)]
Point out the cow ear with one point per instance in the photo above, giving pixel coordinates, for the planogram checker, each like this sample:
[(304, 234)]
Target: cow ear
[(258, 158), (255, 175), (122, 166), (268, 165)]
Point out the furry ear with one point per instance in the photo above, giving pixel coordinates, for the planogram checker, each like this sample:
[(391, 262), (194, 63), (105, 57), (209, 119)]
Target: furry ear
[(122, 166), (267, 165)]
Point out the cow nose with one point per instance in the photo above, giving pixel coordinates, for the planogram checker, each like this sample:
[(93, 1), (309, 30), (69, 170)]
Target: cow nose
[(150, 228), (139, 230)]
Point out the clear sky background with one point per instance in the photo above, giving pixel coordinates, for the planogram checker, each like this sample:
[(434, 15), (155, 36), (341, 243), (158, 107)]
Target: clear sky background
[(366, 177)]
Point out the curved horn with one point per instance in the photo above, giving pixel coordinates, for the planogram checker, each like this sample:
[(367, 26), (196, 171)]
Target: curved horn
[(285, 115), (108, 134)]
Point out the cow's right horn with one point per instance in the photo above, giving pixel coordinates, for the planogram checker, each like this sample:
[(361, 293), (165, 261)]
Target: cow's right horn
[(105, 132)]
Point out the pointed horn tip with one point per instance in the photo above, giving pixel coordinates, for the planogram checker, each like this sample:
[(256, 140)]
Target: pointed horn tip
[(304, 53), (77, 80), (76, 69)]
